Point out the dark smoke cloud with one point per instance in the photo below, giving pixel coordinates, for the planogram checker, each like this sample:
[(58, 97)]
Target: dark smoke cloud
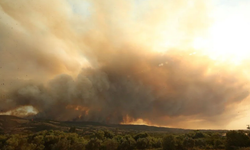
[(179, 87), (102, 67)]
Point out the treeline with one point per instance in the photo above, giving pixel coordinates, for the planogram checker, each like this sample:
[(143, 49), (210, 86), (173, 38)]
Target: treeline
[(108, 140)]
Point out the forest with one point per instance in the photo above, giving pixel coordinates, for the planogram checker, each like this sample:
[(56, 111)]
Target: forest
[(38, 134), (95, 139)]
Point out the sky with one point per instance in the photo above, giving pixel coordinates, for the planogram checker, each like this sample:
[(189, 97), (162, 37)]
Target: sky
[(180, 63)]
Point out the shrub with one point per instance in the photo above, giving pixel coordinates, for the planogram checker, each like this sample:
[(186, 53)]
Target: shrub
[(127, 143), (143, 143), (141, 135), (72, 129), (109, 144), (93, 144), (108, 134), (236, 139), (168, 142), (188, 143)]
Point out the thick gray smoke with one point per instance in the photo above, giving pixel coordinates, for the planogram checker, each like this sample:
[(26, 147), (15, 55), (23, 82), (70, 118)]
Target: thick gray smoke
[(100, 66), (141, 87)]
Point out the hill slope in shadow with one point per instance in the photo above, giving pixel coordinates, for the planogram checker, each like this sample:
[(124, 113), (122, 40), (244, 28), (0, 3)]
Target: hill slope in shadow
[(13, 124)]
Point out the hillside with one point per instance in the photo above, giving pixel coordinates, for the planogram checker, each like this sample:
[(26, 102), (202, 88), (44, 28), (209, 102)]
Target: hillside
[(13, 124)]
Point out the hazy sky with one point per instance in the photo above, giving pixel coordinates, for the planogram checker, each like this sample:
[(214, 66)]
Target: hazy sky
[(174, 63)]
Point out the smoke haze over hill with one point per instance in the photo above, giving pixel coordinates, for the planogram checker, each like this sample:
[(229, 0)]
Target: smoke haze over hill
[(115, 62)]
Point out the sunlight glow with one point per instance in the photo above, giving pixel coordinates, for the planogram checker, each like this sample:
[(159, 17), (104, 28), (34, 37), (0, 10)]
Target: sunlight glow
[(228, 38)]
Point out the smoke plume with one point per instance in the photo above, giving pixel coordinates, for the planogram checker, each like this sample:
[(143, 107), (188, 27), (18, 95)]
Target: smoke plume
[(104, 61)]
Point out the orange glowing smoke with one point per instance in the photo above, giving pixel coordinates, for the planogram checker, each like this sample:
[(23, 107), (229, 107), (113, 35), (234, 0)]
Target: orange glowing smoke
[(83, 109), (129, 120)]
